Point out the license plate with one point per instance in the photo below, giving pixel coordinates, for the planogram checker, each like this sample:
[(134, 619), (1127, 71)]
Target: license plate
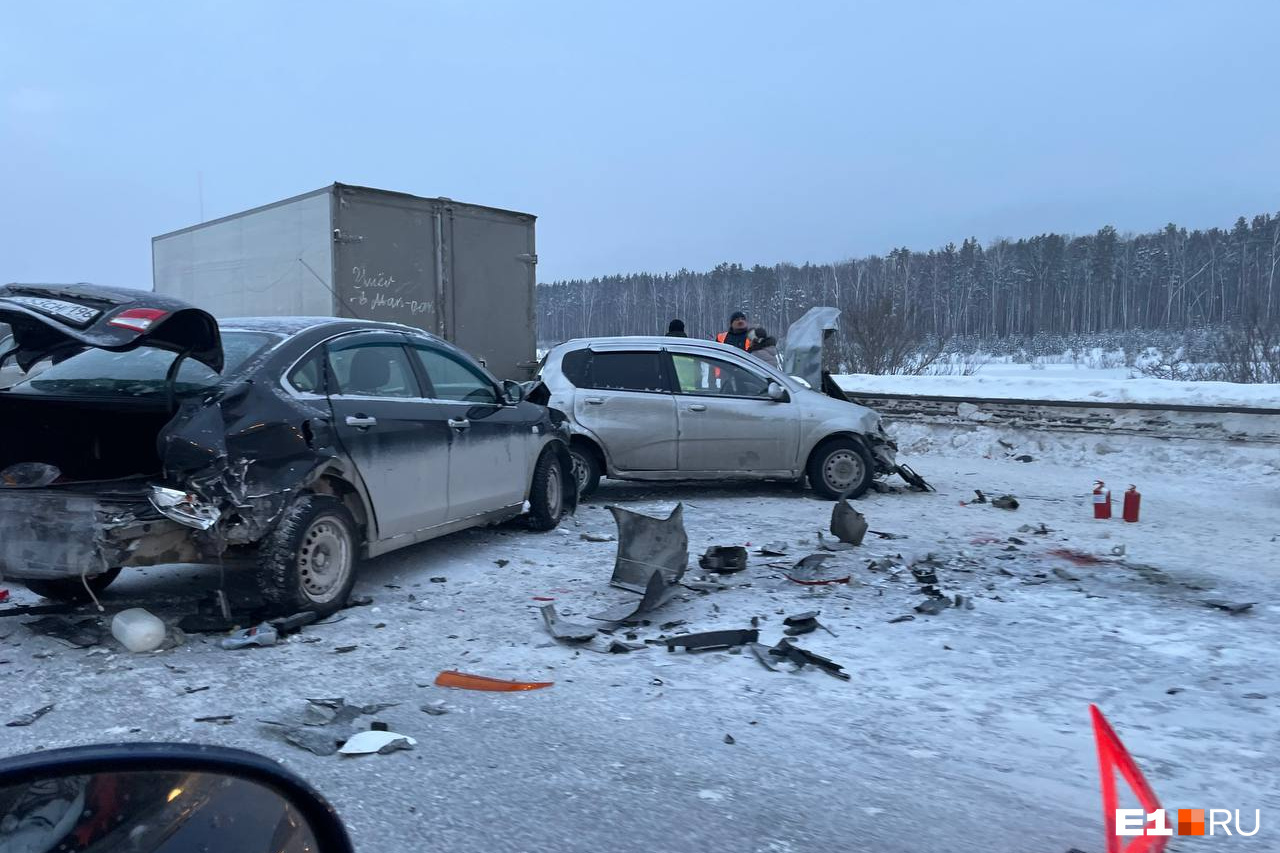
[(68, 312)]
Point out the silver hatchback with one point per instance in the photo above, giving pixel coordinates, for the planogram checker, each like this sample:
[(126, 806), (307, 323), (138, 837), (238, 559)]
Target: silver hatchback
[(664, 408)]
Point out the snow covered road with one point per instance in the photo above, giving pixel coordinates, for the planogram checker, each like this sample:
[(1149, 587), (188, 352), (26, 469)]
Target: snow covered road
[(965, 731)]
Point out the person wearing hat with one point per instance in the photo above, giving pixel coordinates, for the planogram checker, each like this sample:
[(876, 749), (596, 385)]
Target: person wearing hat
[(764, 347), (675, 329), (739, 335)]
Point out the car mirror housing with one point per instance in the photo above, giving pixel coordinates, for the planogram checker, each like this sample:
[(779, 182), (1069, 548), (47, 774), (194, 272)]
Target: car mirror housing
[(777, 393), (512, 392)]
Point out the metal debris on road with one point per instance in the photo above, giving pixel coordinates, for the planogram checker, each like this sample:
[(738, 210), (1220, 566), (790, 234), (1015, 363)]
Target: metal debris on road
[(906, 617), (380, 742), (1233, 607), (78, 633), (1064, 574), (435, 708), (28, 719), (774, 549), (885, 535), (707, 640), (220, 719), (647, 545), (847, 524), (812, 571), (466, 681), (563, 630), (361, 600), (724, 559), (598, 537), (729, 740), (786, 650), (828, 545), (1005, 502), (292, 624), (656, 593), (761, 652), (933, 605), (342, 650)]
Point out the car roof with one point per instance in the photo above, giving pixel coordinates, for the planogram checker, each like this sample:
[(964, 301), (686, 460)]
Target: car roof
[(295, 325), (623, 341)]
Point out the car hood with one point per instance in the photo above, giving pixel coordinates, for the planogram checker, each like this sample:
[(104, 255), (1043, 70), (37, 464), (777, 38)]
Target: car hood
[(57, 320), (803, 354)]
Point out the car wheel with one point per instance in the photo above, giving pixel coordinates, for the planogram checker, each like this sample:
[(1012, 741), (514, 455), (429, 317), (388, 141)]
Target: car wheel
[(840, 468), (71, 590), (586, 470), (309, 561), (546, 493)]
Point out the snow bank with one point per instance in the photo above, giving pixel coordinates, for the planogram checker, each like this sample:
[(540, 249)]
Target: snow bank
[(1067, 384)]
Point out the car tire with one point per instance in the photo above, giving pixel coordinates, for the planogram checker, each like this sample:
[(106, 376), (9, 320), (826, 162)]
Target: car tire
[(546, 492), (586, 469), (840, 468), (309, 561), (71, 590)]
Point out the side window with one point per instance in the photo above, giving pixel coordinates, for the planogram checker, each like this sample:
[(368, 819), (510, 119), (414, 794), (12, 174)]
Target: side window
[(373, 369), (574, 366), (453, 379), (698, 375), (628, 371), (306, 376)]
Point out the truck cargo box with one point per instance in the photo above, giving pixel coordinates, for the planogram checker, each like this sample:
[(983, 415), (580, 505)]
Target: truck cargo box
[(462, 271)]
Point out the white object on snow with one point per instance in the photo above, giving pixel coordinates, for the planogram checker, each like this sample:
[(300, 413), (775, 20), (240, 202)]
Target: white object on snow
[(365, 743), (138, 630)]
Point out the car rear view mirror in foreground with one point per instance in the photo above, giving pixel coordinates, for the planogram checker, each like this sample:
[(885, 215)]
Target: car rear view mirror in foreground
[(777, 393), (161, 798)]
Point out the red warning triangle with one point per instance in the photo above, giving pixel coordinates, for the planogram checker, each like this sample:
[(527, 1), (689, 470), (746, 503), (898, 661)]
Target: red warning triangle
[(1113, 756)]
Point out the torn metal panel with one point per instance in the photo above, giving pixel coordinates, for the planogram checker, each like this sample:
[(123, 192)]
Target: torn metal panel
[(803, 355), (724, 559), (848, 525), (646, 545), (656, 594), (562, 629)]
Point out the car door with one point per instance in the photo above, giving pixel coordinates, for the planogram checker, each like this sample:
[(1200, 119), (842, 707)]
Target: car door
[(628, 405), (490, 443), (728, 421), (397, 437)]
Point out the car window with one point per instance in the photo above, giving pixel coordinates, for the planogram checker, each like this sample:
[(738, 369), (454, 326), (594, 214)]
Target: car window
[(373, 369), (307, 376), (454, 379), (138, 372), (574, 366), (699, 375), (628, 371)]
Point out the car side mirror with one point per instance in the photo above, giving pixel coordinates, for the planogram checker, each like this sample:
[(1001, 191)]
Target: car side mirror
[(512, 392), (777, 393), (157, 796)]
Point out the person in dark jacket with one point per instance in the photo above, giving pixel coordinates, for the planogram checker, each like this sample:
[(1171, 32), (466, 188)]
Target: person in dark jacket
[(764, 347), (675, 329), (739, 334)]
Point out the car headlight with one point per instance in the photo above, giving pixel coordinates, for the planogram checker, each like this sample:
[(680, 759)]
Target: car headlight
[(184, 508)]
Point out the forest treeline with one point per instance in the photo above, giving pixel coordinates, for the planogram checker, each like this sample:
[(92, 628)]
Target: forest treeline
[(1053, 284)]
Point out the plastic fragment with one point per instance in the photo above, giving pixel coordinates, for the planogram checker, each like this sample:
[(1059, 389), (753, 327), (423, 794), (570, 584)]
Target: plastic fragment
[(467, 681), (262, 635), (381, 742)]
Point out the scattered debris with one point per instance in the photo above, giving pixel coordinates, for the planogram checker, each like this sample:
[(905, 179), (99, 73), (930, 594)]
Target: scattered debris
[(617, 647), (598, 537), (761, 652), (933, 605), (1118, 550), (1233, 607), (292, 624), (187, 691), (963, 602), (724, 559), (138, 630), (466, 681), (78, 633), (1039, 530), (828, 545), (502, 564), (1173, 691), (28, 719), (1014, 540), (1079, 558), (804, 623), (435, 708), (1005, 502), (772, 549), (786, 650), (438, 579), (1064, 574), (342, 650), (381, 742), (1024, 458), (980, 499), (220, 719), (729, 740), (812, 571), (361, 600), (261, 635), (647, 545), (1255, 696), (847, 524), (906, 617), (675, 623), (570, 632), (712, 640), (30, 475), (883, 535), (656, 593)]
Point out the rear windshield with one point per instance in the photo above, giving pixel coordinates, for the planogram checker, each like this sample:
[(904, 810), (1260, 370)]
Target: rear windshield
[(138, 373)]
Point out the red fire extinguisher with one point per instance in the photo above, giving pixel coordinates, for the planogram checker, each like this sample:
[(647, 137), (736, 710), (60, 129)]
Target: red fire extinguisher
[(1101, 500), (1132, 501)]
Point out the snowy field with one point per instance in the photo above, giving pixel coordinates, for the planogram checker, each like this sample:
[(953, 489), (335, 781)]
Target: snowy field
[(964, 731)]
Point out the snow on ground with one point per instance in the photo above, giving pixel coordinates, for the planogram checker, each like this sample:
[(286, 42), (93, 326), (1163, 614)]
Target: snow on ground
[(1067, 382), (966, 731)]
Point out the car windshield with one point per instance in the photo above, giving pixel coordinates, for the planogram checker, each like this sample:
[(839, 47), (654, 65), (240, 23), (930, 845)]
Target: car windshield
[(139, 372)]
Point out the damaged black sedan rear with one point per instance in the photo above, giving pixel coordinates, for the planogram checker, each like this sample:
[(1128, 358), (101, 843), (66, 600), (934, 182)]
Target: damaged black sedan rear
[(143, 432)]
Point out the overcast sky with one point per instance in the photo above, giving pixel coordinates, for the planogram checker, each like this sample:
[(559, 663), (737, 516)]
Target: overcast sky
[(645, 136)]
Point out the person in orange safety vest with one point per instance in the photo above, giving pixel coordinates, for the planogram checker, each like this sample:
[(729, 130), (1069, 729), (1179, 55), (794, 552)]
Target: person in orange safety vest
[(739, 335)]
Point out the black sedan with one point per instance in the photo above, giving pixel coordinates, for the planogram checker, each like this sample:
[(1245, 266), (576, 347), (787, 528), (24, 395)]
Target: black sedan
[(144, 432)]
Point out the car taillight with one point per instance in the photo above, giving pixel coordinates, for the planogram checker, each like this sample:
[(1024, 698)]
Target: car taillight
[(138, 319)]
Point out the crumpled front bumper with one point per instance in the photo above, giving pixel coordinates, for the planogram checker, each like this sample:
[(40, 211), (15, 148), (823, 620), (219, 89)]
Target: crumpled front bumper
[(55, 533)]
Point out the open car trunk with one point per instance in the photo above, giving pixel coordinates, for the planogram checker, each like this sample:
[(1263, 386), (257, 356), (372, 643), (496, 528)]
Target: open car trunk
[(85, 439)]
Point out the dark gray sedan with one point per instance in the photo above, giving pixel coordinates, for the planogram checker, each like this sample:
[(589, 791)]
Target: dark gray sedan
[(144, 432)]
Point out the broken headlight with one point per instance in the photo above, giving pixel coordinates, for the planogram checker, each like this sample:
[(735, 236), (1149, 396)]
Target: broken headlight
[(184, 508)]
